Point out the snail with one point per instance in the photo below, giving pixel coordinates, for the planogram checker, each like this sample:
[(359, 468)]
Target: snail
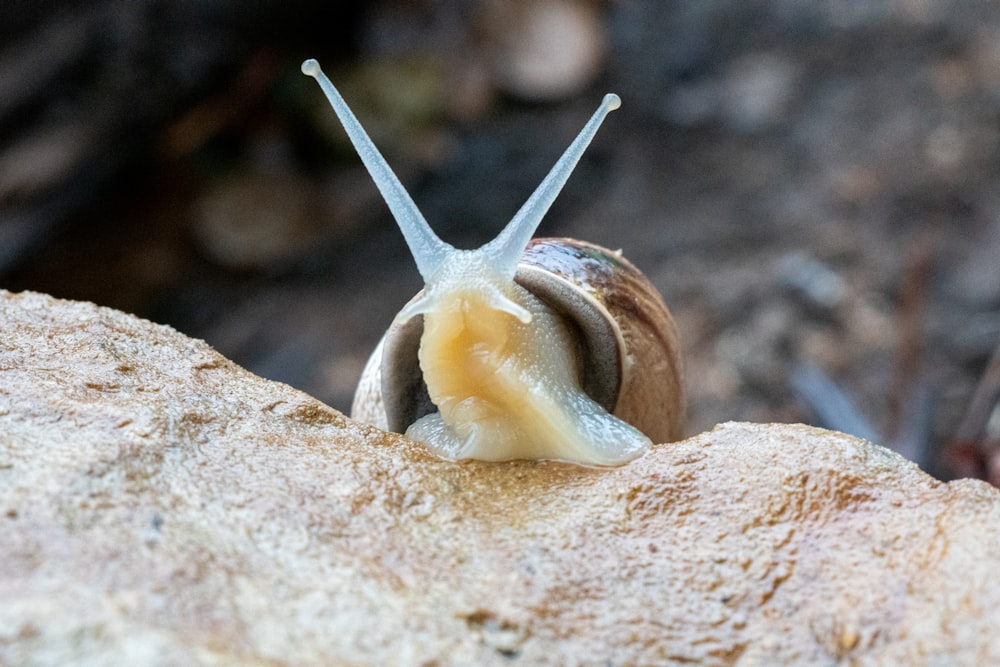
[(521, 349)]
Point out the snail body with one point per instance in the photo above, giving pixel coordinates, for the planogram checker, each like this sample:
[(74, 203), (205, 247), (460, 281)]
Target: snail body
[(545, 349)]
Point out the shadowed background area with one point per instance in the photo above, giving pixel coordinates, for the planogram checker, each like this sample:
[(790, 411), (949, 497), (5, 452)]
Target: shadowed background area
[(813, 187)]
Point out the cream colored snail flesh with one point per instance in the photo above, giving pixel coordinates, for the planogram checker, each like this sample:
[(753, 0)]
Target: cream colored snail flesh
[(543, 349)]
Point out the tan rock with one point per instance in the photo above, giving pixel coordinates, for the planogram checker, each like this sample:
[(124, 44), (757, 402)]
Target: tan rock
[(161, 506)]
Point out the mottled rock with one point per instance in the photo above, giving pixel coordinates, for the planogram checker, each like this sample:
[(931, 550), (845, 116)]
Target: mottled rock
[(159, 505)]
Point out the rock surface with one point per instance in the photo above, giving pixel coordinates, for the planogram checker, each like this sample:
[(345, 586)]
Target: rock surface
[(159, 505)]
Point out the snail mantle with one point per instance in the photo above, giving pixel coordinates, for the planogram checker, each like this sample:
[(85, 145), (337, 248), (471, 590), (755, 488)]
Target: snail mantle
[(160, 505)]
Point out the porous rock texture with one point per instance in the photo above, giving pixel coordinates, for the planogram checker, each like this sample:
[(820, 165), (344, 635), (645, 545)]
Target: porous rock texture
[(161, 506)]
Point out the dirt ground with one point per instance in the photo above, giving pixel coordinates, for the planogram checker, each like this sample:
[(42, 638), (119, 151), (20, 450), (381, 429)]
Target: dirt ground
[(812, 186)]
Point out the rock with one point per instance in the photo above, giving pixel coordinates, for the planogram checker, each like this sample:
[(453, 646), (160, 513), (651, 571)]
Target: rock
[(160, 505)]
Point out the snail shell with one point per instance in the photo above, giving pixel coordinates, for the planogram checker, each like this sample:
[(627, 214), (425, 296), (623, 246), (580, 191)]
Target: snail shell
[(628, 346), (547, 349)]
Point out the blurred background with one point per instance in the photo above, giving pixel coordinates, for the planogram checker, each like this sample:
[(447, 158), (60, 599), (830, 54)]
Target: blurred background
[(812, 186)]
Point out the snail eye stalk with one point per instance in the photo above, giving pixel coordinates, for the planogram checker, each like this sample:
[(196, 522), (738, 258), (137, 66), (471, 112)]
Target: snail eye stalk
[(429, 251), (506, 248)]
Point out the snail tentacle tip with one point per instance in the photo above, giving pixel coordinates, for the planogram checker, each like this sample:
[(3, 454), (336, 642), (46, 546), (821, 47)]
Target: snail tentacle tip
[(611, 101), (310, 67)]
